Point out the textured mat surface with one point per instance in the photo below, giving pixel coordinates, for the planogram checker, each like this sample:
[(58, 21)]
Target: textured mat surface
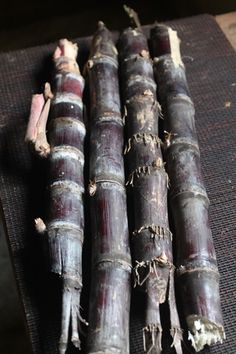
[(211, 70)]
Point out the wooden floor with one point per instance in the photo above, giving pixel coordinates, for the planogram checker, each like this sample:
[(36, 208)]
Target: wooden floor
[(227, 22)]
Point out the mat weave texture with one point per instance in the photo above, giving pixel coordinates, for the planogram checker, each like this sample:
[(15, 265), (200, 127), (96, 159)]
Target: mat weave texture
[(211, 71)]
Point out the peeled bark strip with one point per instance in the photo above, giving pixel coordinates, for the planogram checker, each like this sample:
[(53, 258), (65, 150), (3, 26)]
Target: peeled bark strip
[(65, 222), (36, 129), (111, 261), (197, 271), (152, 239)]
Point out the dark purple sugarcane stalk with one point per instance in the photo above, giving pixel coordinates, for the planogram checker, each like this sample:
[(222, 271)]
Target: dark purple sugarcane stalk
[(197, 272), (148, 181), (111, 261), (64, 148)]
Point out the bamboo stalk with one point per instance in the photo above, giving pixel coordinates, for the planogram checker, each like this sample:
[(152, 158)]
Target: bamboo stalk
[(198, 276), (65, 220), (152, 238), (111, 262)]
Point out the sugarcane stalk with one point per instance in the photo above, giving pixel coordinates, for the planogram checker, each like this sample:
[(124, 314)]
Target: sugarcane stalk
[(64, 148), (197, 271), (111, 261), (148, 181)]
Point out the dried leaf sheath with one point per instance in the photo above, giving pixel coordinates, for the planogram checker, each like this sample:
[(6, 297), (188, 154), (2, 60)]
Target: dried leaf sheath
[(198, 276), (65, 221), (111, 263), (152, 239)]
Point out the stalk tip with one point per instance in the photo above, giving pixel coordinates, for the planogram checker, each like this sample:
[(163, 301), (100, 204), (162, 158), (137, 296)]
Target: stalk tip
[(101, 24), (47, 91), (134, 19), (66, 49)]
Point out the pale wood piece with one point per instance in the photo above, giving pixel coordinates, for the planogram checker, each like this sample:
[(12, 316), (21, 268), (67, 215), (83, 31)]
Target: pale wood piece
[(227, 23)]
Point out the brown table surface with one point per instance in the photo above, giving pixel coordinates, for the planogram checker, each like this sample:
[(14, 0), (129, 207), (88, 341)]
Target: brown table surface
[(211, 70)]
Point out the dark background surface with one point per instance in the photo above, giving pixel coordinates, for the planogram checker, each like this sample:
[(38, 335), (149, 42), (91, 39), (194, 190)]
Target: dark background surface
[(15, 13), (212, 80), (27, 23)]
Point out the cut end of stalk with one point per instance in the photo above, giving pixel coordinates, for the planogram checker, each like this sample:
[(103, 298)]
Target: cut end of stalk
[(66, 49), (65, 56), (152, 335), (40, 226), (204, 332), (47, 91), (101, 25), (71, 316)]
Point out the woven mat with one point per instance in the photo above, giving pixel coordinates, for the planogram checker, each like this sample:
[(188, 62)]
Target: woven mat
[(211, 71)]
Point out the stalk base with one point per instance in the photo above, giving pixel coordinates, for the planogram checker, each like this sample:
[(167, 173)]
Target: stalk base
[(152, 334), (71, 316)]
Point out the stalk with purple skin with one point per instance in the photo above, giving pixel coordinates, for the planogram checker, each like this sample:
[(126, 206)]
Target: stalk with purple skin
[(151, 237), (197, 272), (111, 261), (64, 148)]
